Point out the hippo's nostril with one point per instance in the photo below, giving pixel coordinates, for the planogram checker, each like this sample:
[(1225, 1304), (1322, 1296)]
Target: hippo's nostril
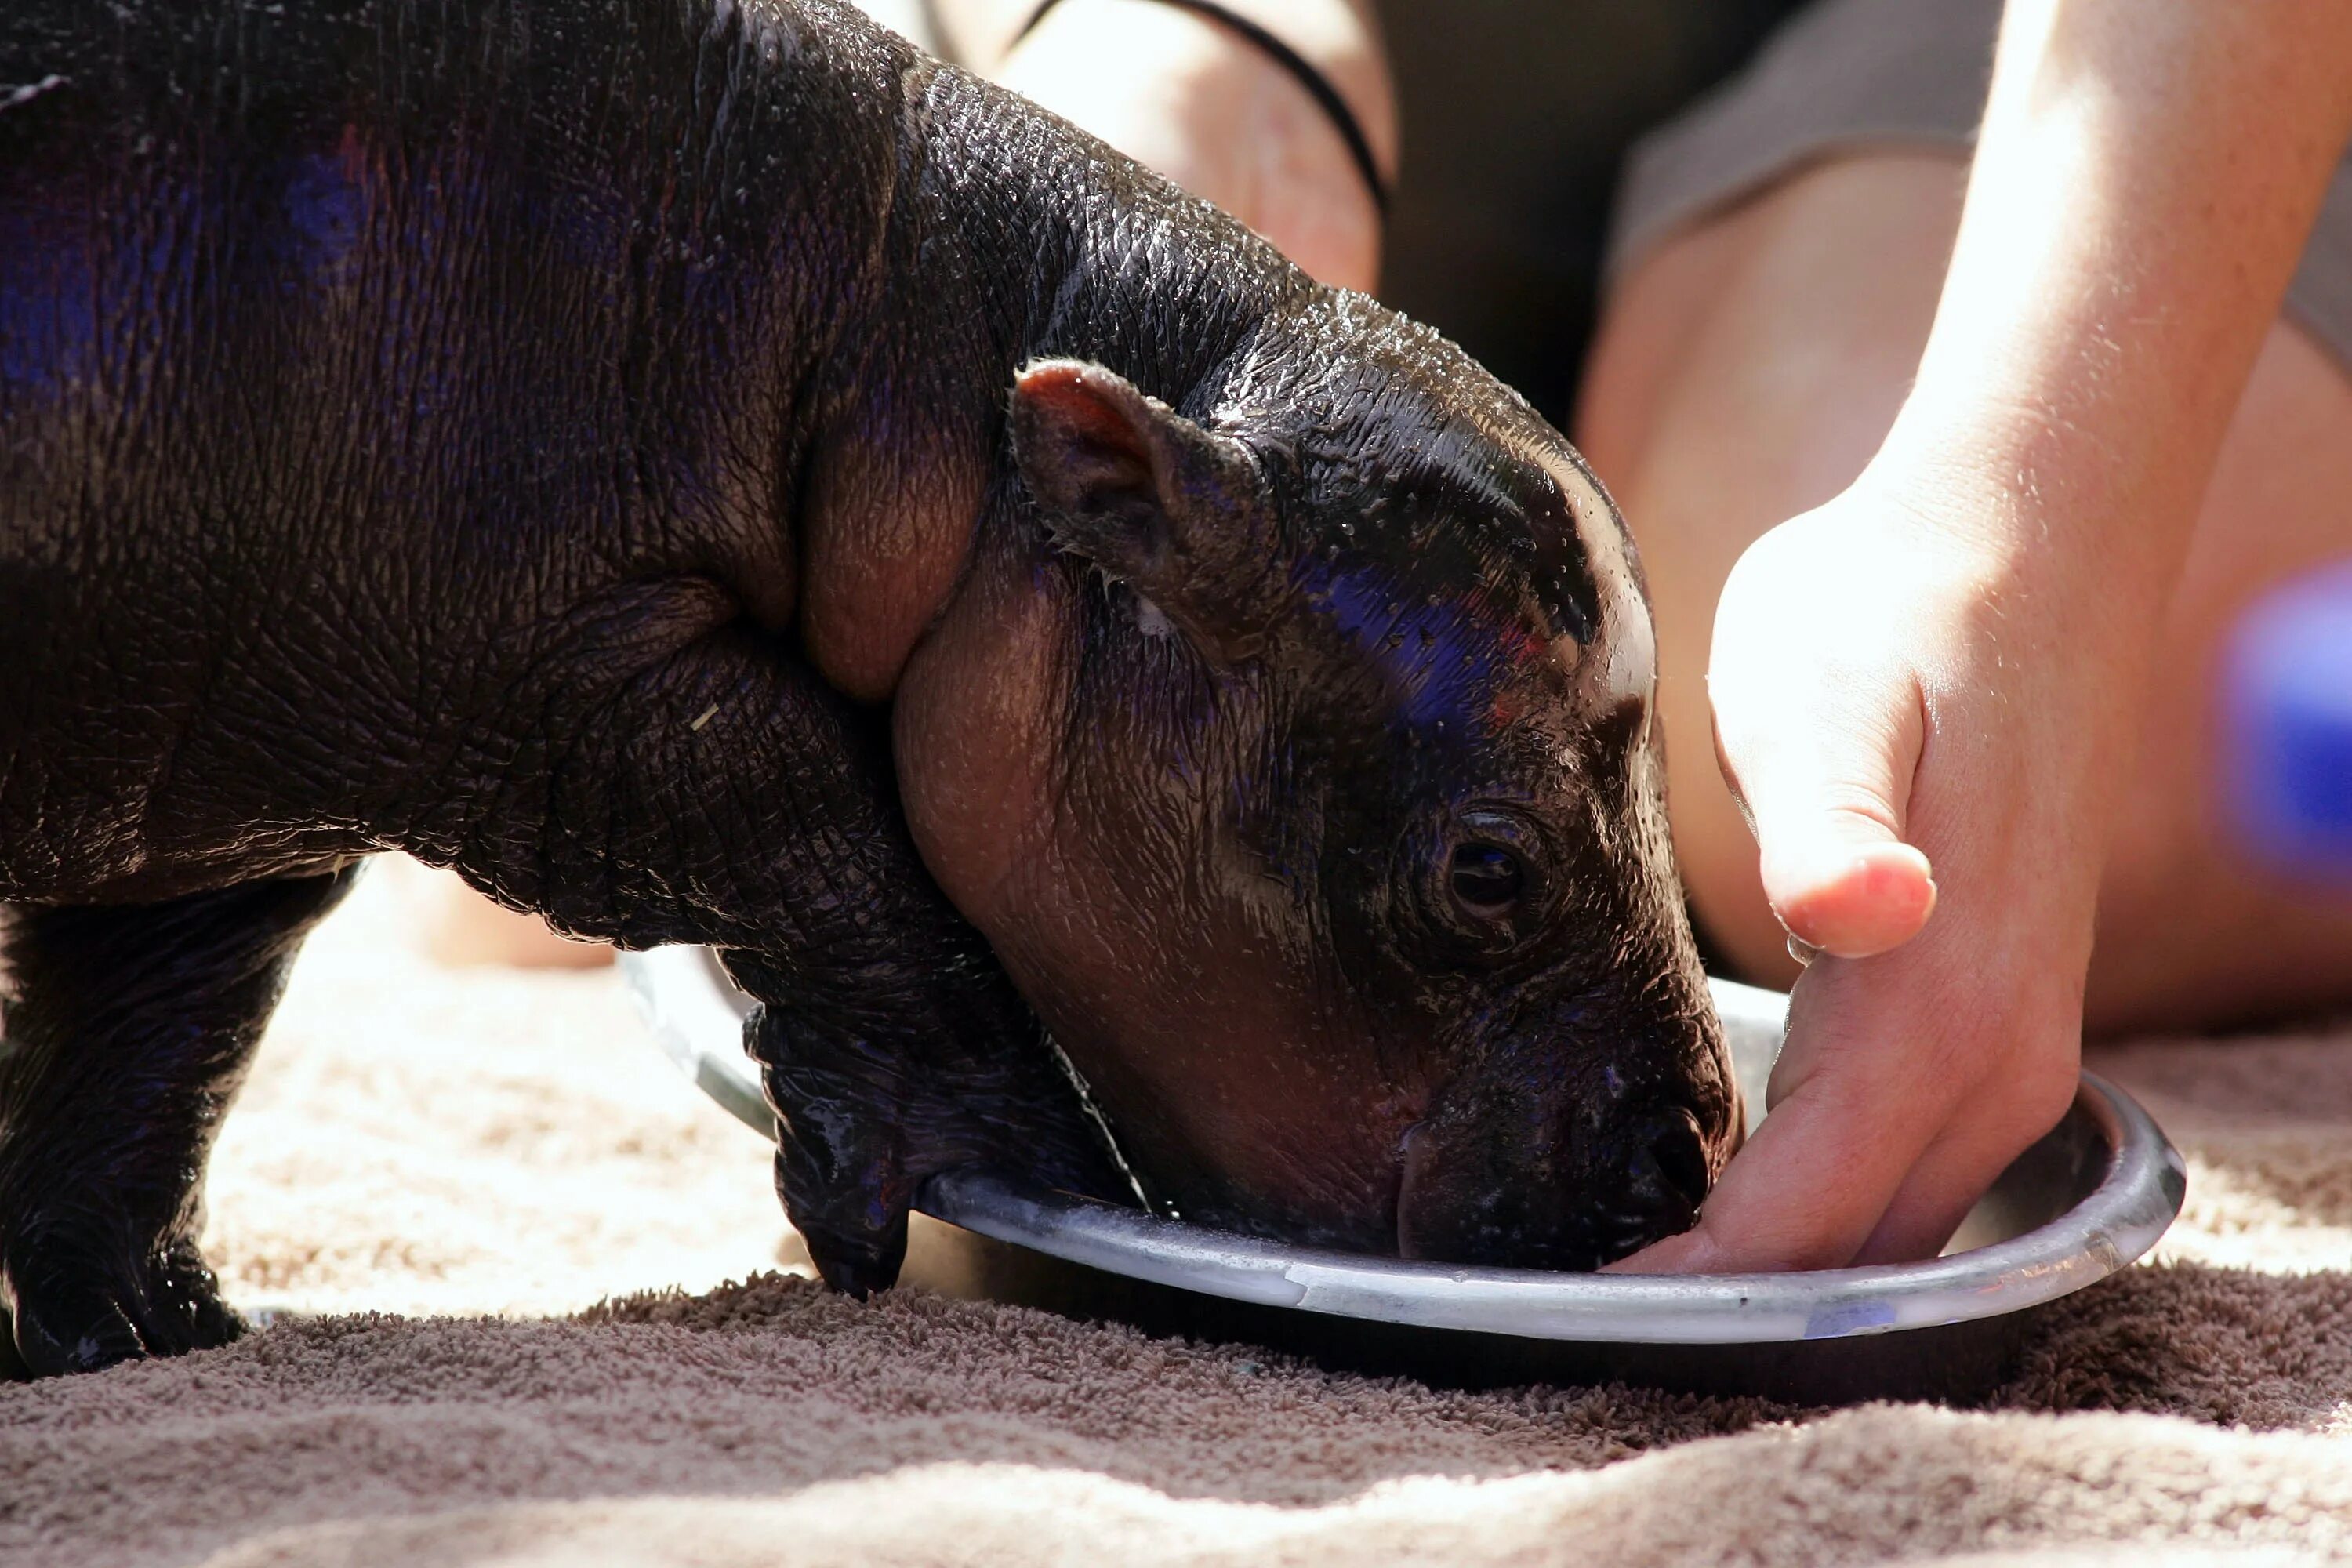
[(1459, 1198), (1665, 1177), (1681, 1156)]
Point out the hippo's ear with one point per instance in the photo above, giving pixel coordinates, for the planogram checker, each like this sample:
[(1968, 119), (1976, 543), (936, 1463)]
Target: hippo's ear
[(1158, 502)]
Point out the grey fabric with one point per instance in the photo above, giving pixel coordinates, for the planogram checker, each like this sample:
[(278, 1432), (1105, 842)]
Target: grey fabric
[(2320, 298), (1854, 75)]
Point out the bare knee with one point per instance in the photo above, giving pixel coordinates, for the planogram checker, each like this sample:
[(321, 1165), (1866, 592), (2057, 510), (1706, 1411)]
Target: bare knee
[(2190, 928), (1820, 288), (1746, 372)]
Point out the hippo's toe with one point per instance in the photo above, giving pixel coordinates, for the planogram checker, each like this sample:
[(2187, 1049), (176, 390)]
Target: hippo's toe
[(73, 1309)]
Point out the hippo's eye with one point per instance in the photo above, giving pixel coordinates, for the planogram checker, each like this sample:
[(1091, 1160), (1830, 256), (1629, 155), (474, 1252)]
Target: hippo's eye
[(1477, 885), (1486, 878)]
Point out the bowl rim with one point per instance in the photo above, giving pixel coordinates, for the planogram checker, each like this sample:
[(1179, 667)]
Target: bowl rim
[(2140, 1192)]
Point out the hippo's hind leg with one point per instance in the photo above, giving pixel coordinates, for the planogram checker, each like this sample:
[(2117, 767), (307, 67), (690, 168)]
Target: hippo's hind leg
[(126, 1034)]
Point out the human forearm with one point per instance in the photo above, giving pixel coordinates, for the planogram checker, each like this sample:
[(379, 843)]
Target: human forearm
[(2145, 181), (2144, 184), (1938, 671)]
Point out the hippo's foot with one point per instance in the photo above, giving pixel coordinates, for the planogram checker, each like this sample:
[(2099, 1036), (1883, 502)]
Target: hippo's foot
[(865, 1117), (863, 1128), (79, 1304)]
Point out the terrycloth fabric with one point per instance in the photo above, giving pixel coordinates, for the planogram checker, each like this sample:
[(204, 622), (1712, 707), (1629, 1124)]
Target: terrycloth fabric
[(437, 1141)]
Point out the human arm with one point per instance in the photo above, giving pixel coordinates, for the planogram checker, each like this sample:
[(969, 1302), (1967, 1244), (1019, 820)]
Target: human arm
[(1198, 103), (1938, 667)]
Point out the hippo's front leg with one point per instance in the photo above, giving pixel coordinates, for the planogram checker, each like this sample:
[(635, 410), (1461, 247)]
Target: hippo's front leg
[(891, 1044), (922, 1065), (725, 795)]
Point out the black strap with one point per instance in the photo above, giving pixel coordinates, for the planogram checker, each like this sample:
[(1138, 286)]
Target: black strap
[(1319, 85)]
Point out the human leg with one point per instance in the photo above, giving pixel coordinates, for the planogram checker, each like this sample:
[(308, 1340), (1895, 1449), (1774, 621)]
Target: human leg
[(1746, 370)]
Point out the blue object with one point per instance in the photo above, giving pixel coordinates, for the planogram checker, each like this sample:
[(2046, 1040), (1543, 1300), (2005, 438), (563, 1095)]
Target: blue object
[(2289, 717)]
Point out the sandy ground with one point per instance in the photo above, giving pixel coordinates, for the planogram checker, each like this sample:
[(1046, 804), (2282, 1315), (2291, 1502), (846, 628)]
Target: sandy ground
[(488, 1154)]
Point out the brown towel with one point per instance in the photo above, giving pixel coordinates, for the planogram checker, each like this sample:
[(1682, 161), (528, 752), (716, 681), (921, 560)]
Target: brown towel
[(451, 1143)]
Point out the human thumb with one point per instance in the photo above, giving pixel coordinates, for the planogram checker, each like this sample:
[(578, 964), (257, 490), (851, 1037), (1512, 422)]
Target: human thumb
[(1825, 780)]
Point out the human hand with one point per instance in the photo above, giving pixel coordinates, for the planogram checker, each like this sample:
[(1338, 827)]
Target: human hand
[(1940, 668), (1920, 674), (1196, 101)]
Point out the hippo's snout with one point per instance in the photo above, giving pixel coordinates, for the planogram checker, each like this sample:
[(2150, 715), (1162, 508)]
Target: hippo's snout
[(1574, 1194)]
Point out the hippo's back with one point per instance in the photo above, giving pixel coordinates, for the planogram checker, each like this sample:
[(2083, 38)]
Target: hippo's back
[(349, 346)]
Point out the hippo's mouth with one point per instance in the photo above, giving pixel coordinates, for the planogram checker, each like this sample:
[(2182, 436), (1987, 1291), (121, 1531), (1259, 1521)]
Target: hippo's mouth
[(1652, 1189), (1670, 1169)]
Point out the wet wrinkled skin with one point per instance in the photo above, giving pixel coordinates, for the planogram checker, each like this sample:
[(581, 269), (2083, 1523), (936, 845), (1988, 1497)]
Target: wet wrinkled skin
[(1411, 638), (710, 474)]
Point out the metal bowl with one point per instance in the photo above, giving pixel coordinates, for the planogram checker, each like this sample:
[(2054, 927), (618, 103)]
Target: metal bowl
[(2086, 1200)]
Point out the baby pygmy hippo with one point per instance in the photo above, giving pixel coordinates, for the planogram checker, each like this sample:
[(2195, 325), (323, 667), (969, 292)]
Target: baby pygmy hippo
[(711, 473)]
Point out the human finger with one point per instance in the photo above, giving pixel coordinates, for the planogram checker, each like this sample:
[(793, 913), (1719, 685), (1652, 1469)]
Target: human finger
[(1969, 1156), (1850, 1119), (1824, 775)]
